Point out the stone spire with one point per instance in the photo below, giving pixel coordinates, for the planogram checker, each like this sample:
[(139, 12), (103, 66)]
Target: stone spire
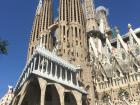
[(90, 14), (46, 21), (102, 14), (46, 15), (63, 28), (38, 10), (43, 19), (35, 31), (73, 40), (72, 33), (77, 37)]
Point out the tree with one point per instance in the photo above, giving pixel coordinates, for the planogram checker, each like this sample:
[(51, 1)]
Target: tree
[(3, 46)]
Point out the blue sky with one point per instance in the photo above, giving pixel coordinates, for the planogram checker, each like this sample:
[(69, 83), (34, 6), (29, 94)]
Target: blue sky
[(16, 18)]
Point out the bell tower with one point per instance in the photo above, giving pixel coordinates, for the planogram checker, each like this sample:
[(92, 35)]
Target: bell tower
[(46, 21), (73, 44), (35, 31), (72, 38), (43, 19), (102, 14), (90, 14)]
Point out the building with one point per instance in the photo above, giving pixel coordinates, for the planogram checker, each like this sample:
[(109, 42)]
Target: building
[(74, 60), (6, 100)]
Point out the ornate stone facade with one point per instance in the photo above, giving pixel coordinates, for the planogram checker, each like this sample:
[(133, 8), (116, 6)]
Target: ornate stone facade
[(116, 74), (74, 60)]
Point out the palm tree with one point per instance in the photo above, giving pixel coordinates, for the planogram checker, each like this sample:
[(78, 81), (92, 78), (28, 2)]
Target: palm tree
[(3, 46)]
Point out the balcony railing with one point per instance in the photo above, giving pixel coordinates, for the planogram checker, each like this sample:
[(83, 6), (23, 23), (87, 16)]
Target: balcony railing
[(49, 66)]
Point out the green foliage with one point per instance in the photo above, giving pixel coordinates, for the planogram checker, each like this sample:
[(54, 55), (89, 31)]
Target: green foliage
[(3, 46)]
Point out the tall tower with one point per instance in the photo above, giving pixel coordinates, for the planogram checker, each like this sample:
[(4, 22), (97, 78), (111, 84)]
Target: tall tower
[(90, 14), (77, 37), (43, 19), (35, 31), (46, 21), (73, 41), (63, 28), (102, 14)]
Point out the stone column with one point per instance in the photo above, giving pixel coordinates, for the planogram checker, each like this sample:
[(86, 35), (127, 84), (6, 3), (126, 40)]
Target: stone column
[(78, 97), (14, 102), (29, 71), (51, 68), (38, 63), (46, 71), (77, 78), (71, 77), (138, 76), (32, 68), (66, 75), (43, 84), (60, 89), (61, 94), (55, 70), (23, 92), (25, 75), (61, 73), (21, 99), (42, 69), (34, 63)]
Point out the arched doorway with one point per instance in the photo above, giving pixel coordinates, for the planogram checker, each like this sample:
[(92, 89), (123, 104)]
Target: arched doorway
[(32, 95), (52, 96), (69, 99)]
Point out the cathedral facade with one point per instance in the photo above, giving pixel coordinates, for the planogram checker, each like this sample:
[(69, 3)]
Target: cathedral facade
[(77, 59)]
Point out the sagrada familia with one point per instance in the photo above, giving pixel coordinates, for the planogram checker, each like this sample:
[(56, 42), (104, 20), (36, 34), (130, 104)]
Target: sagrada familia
[(77, 59)]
